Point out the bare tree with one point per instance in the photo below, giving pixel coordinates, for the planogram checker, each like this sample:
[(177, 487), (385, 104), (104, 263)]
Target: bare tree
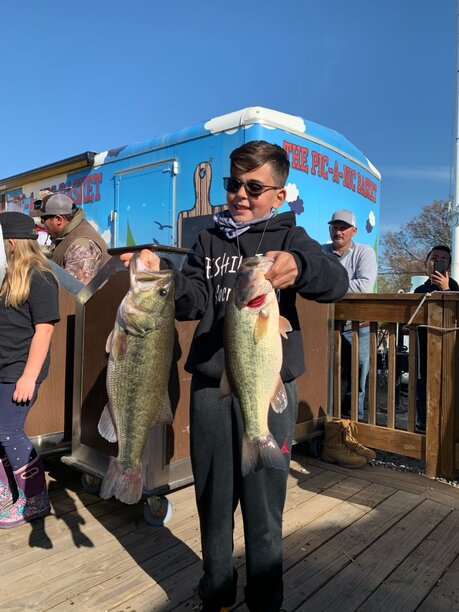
[(403, 253)]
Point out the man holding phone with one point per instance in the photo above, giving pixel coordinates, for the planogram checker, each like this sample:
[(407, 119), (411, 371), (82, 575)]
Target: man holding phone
[(438, 263)]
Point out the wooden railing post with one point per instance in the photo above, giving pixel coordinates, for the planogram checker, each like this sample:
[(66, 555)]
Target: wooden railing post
[(433, 387), (373, 373), (448, 378), (439, 447), (392, 375), (354, 382), (337, 370)]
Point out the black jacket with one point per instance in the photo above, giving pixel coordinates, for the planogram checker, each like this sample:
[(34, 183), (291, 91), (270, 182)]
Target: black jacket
[(209, 274), (428, 287)]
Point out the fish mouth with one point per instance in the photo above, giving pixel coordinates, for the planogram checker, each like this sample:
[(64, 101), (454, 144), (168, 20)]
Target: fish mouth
[(257, 301)]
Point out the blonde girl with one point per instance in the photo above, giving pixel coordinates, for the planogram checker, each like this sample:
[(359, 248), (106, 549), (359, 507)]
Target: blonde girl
[(29, 308)]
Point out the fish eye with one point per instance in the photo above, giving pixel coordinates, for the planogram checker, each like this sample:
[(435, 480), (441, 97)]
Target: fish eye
[(162, 292)]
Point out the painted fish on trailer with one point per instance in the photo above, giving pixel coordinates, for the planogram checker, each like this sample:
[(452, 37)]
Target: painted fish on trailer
[(140, 351), (253, 361)]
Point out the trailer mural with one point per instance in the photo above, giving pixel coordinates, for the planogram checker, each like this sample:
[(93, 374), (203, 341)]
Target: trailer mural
[(165, 190)]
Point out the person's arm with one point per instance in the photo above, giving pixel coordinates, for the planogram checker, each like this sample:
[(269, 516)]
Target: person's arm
[(39, 347), (365, 272), (192, 283), (191, 289), (307, 269), (82, 260)]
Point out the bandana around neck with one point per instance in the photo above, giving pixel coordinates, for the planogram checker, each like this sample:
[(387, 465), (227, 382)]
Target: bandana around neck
[(231, 228)]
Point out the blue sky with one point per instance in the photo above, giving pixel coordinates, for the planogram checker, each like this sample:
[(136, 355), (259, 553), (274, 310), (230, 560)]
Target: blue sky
[(89, 76)]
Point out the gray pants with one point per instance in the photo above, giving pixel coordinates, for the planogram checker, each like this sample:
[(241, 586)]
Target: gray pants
[(216, 439)]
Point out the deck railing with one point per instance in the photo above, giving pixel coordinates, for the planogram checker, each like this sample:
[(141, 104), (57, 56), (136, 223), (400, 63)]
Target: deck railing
[(382, 428)]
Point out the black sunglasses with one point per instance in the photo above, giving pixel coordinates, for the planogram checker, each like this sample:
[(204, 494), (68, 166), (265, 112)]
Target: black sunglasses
[(253, 188), (46, 217)]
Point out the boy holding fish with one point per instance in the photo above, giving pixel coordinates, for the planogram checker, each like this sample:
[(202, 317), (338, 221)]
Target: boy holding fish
[(241, 365)]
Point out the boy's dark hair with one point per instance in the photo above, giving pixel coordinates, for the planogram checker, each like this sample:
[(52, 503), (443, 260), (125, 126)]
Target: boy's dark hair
[(440, 247), (256, 153)]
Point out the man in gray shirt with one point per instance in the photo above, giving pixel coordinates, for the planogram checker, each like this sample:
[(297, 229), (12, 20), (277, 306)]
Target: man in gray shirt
[(362, 268)]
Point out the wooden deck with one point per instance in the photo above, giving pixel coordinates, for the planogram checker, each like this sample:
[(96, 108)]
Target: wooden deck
[(368, 539)]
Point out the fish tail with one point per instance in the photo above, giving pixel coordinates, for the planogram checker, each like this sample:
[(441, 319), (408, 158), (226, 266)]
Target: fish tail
[(125, 485), (260, 453)]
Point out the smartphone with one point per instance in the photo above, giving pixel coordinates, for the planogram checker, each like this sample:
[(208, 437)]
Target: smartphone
[(440, 265)]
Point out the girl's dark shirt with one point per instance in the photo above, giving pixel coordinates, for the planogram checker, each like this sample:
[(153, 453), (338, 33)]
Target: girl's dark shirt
[(17, 326)]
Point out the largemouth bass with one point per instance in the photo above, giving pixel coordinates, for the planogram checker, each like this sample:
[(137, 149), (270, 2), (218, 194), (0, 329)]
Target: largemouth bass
[(140, 351), (253, 361)]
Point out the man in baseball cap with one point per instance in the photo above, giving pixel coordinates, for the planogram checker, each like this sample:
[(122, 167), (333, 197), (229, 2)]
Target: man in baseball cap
[(76, 245), (346, 216), (53, 204), (362, 268)]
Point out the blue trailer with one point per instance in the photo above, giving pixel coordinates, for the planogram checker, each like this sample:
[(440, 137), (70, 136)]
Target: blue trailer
[(165, 190)]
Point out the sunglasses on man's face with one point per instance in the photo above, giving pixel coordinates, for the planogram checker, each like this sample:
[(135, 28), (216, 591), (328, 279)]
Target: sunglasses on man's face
[(253, 188)]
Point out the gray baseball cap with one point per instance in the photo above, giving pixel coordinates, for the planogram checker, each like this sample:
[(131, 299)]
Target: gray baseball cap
[(346, 216), (54, 204)]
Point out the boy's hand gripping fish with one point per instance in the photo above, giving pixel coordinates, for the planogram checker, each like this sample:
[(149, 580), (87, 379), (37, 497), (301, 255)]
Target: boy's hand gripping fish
[(253, 358), (140, 353)]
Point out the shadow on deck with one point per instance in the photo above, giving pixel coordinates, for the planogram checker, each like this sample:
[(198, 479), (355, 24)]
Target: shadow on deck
[(367, 539)]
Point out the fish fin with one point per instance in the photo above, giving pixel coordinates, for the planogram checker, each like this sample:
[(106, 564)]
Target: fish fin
[(125, 485), (261, 327), (165, 416), (261, 453), (284, 327), (279, 399), (225, 388), (108, 344), (106, 426), (119, 345)]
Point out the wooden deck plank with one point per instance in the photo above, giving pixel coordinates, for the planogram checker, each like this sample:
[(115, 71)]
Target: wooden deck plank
[(93, 555), (112, 557), (445, 594), (353, 585), (412, 580), (311, 508), (405, 481), (317, 478), (310, 536), (309, 512), (149, 594), (319, 567)]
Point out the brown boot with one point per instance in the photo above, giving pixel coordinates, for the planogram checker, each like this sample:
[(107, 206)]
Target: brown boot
[(334, 450), (354, 445)]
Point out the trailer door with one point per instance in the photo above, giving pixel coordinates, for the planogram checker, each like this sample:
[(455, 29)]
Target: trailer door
[(145, 205)]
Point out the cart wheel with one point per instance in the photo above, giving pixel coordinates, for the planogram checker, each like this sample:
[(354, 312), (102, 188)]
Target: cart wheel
[(90, 484), (315, 447), (157, 510)]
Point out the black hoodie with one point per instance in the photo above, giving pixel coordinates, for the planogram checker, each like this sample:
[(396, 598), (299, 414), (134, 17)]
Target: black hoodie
[(209, 274)]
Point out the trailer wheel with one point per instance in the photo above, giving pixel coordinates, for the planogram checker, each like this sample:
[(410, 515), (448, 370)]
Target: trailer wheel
[(157, 510), (91, 484)]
